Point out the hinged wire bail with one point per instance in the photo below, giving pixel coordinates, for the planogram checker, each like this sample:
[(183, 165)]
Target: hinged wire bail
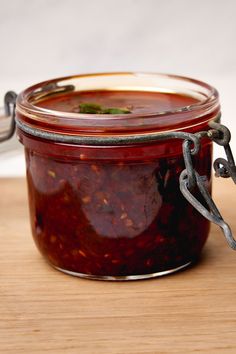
[(9, 107), (189, 178), (224, 168)]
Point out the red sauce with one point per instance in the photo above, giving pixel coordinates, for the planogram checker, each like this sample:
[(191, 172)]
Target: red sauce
[(114, 211)]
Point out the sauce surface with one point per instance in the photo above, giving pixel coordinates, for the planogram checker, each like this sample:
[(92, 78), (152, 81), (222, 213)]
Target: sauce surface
[(135, 101)]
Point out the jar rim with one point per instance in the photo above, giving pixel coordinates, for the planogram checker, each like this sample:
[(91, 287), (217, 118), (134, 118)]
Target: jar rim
[(203, 110)]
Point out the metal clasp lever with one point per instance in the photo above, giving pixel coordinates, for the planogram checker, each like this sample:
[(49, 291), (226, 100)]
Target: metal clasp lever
[(223, 168), (9, 107), (189, 178)]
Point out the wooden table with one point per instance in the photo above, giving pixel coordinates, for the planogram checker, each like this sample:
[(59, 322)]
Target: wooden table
[(45, 311)]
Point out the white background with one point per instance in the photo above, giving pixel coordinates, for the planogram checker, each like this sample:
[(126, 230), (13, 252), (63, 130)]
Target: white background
[(42, 39)]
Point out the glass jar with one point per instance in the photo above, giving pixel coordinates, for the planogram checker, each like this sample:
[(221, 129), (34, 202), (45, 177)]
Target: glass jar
[(104, 194)]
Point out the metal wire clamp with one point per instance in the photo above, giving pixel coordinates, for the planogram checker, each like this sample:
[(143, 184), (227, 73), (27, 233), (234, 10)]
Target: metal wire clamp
[(9, 107), (189, 178)]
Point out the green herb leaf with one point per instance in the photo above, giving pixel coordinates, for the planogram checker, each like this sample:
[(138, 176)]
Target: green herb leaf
[(93, 108), (114, 110)]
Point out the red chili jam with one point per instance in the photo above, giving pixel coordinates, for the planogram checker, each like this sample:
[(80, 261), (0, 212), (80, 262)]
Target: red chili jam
[(115, 212)]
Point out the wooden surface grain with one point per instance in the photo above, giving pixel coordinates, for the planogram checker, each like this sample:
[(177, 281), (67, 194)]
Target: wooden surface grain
[(45, 311)]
